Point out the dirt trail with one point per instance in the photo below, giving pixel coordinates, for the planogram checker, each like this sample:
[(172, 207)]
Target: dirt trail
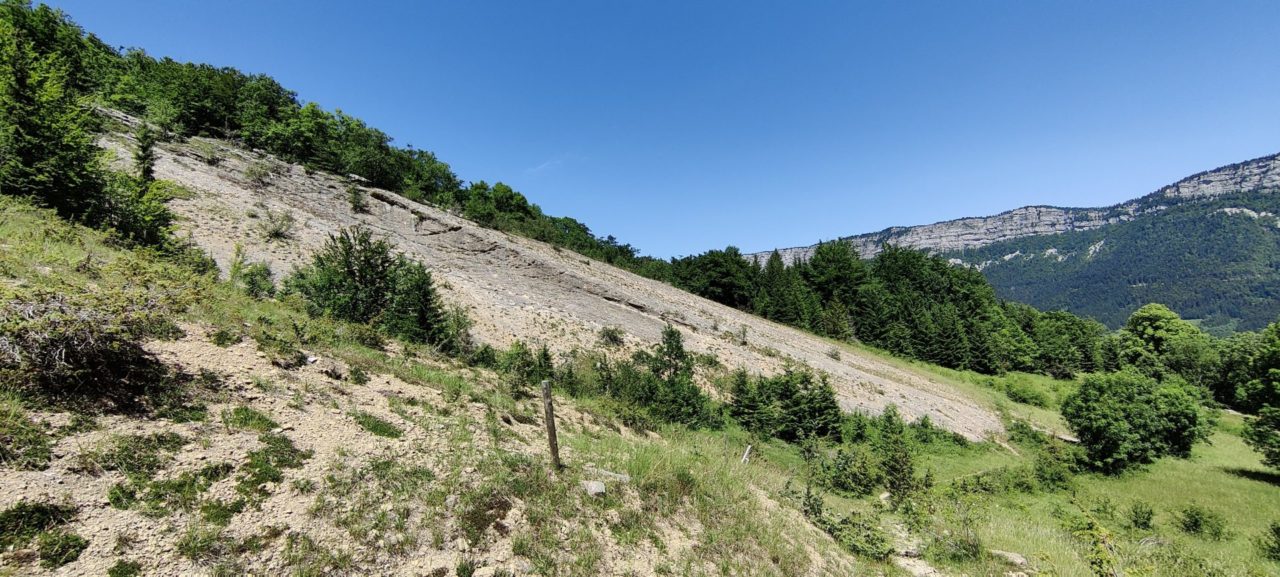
[(516, 288)]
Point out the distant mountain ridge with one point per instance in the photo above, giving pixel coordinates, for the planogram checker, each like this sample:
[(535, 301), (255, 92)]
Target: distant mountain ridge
[(975, 232), (1208, 246)]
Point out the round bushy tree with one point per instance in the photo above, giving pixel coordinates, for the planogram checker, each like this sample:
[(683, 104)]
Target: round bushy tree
[(1127, 418), (1263, 434), (357, 278)]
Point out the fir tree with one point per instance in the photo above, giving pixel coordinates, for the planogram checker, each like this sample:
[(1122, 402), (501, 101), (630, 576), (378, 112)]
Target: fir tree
[(144, 156), (46, 145)]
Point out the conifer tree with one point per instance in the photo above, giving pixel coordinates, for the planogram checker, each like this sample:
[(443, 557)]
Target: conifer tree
[(144, 156), (46, 146), (895, 455)]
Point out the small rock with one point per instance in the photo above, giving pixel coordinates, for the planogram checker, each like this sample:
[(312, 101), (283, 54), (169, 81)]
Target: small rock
[(1012, 558), (593, 488), (311, 360), (277, 430), (620, 477), (451, 501)]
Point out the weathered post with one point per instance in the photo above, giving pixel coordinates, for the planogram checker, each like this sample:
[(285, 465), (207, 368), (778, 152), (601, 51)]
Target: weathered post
[(550, 415)]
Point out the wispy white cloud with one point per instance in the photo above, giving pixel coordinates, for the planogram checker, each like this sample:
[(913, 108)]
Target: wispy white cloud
[(548, 165)]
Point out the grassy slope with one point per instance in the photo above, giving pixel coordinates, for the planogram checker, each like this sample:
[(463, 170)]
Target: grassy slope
[(686, 486), (1224, 475)]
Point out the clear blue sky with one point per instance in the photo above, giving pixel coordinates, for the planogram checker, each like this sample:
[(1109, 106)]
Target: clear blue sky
[(682, 126)]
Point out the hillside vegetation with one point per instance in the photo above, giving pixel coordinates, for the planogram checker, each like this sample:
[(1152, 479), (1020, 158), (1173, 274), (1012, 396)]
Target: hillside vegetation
[(1213, 260), (217, 361)]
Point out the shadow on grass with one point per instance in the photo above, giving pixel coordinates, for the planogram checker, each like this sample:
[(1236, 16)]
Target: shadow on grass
[(1254, 475)]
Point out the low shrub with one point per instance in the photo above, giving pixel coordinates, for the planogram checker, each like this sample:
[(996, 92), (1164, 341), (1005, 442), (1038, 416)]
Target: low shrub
[(276, 225), (861, 535), (59, 347), (854, 471), (1268, 542), (358, 200), (1141, 516), (611, 336), (1197, 520), (955, 538), (359, 279)]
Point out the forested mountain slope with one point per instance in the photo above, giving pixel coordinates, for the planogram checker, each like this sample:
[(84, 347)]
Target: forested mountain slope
[(1203, 245), (1215, 260)]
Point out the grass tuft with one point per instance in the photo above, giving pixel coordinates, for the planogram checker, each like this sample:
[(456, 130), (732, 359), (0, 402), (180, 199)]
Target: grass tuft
[(265, 465), (59, 547), (243, 417), (376, 425)]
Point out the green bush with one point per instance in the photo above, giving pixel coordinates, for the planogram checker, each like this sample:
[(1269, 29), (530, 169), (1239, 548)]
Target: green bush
[(956, 536), (358, 279), (1126, 418), (277, 225), (855, 471), (1268, 542), (1020, 391), (861, 535), (1197, 520), (611, 336), (254, 278), (1263, 434), (1055, 466), (790, 406), (357, 198), (1142, 516)]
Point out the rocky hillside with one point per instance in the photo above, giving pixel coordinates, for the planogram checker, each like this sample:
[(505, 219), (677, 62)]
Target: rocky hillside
[(516, 288), (976, 232)]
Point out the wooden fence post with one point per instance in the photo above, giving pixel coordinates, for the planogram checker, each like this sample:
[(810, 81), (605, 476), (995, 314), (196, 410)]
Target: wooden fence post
[(550, 415)]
